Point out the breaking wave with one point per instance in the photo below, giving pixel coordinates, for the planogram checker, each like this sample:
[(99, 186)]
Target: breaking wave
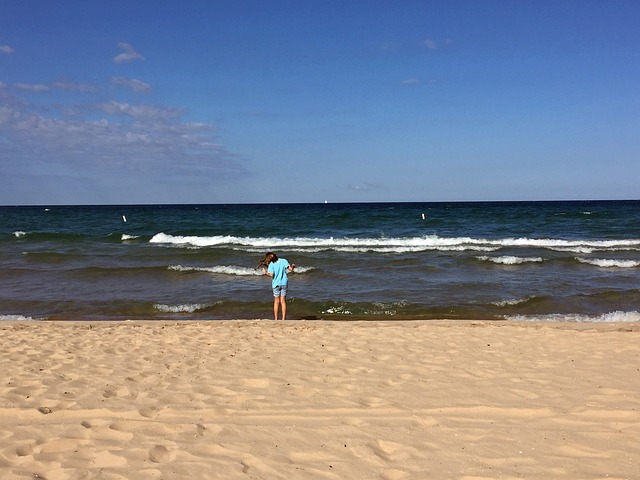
[(609, 263), (230, 270), (186, 308), (611, 317), (10, 318), (391, 245), (510, 260)]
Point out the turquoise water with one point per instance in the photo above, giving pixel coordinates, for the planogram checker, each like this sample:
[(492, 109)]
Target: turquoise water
[(575, 261)]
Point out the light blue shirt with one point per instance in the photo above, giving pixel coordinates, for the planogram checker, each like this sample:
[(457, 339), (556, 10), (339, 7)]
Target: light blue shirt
[(279, 271)]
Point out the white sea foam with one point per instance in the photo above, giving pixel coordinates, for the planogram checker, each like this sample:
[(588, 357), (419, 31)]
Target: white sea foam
[(464, 248), (212, 241), (129, 237), (186, 308), (389, 245), (583, 250), (609, 263), (511, 302), (230, 270), (221, 269), (19, 234), (611, 317), (340, 309), (510, 260), (16, 318), (556, 243)]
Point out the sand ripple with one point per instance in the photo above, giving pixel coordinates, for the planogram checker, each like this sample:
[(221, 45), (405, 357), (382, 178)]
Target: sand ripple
[(325, 400)]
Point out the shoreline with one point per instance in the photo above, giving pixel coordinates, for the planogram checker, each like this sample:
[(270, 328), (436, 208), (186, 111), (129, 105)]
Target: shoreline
[(389, 399), (535, 320)]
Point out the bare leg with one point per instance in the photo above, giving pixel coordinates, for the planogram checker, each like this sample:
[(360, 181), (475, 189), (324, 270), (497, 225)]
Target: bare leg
[(283, 302), (276, 304)]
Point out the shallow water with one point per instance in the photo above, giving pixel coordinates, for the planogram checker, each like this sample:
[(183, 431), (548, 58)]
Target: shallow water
[(576, 261)]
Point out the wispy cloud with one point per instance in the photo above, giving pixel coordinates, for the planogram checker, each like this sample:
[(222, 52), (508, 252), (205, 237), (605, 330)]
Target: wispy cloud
[(74, 87), (32, 87), (59, 85), (6, 49), (98, 137), (363, 187), (430, 44), (112, 136), (132, 83), (128, 55), (139, 111), (410, 81)]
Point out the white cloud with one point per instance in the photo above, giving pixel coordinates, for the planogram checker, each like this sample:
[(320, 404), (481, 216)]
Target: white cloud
[(365, 187), (113, 137), (109, 139), (430, 44), (132, 83), (6, 49), (59, 85), (139, 111), (74, 87), (129, 54), (32, 87)]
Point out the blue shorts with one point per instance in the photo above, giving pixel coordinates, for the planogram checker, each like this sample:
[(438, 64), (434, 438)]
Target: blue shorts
[(280, 291)]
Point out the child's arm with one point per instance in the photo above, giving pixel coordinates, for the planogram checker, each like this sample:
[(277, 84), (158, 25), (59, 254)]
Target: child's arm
[(291, 267)]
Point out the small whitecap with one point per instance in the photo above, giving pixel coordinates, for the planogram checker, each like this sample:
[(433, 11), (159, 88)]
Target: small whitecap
[(17, 318), (337, 310), (609, 263), (186, 308), (611, 317), (510, 260), (511, 302)]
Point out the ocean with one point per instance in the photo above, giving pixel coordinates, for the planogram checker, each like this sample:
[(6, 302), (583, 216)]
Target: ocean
[(540, 261)]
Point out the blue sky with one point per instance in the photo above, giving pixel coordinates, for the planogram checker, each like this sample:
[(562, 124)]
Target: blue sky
[(305, 101)]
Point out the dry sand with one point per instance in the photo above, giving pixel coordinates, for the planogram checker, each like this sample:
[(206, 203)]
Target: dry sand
[(319, 400)]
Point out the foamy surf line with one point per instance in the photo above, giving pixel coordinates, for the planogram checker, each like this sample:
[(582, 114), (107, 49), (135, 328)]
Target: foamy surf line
[(386, 312), (185, 308), (230, 270), (612, 317), (609, 263), (17, 318), (401, 245), (510, 260)]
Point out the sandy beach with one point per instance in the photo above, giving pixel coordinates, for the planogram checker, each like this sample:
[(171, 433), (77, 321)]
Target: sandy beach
[(315, 399)]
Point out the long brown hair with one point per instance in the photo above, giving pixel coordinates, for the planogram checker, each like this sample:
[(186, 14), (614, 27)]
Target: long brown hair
[(268, 258)]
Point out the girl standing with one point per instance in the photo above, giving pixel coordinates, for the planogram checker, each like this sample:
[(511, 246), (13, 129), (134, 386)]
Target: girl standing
[(277, 269)]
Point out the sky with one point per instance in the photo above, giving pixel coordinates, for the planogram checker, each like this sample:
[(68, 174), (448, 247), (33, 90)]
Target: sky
[(259, 101)]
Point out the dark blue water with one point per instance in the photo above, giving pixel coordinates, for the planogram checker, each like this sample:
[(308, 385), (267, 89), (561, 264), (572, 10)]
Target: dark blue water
[(575, 261)]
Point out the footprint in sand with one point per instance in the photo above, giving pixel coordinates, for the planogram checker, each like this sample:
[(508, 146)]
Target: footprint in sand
[(391, 451), (256, 382), (525, 394), (393, 474), (372, 402), (149, 412), (24, 450), (159, 454)]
